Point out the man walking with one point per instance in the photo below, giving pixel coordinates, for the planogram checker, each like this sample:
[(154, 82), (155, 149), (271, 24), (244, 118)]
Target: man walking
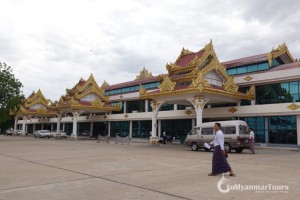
[(251, 140), (219, 160)]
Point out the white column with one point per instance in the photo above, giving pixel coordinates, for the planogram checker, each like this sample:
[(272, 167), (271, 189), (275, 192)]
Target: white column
[(91, 129), (155, 108), (125, 107), (253, 102), (33, 128), (198, 103), (108, 129), (146, 105), (175, 107), (298, 131), (58, 135), (75, 117), (42, 126), (130, 129), (193, 123), (23, 126), (51, 127), (15, 125), (159, 128)]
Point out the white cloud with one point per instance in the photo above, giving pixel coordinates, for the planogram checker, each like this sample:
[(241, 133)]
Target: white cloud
[(51, 44)]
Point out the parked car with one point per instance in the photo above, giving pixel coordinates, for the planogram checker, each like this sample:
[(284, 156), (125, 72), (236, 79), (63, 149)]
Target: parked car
[(62, 134), (9, 132), (45, 133), (36, 134), (236, 136)]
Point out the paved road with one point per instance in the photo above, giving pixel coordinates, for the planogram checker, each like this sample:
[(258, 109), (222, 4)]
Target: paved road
[(48, 169)]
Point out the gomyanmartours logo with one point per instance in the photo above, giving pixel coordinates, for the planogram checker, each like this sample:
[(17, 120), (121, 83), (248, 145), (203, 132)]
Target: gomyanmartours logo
[(224, 187)]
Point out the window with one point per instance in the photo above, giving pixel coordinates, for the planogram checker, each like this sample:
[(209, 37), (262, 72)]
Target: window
[(207, 131), (241, 70), (121, 128), (229, 130), (141, 129), (176, 128), (278, 93), (251, 68)]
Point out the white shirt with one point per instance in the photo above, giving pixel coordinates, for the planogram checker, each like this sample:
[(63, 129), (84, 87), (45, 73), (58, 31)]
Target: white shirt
[(219, 139), (251, 136)]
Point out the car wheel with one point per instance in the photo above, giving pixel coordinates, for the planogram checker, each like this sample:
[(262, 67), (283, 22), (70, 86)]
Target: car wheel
[(194, 146), (239, 150), (227, 147)]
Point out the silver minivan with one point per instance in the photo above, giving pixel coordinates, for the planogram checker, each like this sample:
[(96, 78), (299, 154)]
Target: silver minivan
[(236, 136)]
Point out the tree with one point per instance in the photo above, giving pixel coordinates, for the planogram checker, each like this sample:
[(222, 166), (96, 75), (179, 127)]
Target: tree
[(11, 95)]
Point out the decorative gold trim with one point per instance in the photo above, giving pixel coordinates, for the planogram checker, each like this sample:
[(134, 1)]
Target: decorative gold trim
[(183, 53), (196, 91), (230, 86), (188, 112), (232, 109), (142, 90), (104, 84), (251, 91), (293, 106), (280, 50), (166, 85), (143, 74), (200, 82), (97, 103), (248, 78)]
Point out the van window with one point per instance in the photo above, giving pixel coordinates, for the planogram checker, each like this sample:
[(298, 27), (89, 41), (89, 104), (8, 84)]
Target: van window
[(194, 131), (229, 130), (244, 129), (206, 131)]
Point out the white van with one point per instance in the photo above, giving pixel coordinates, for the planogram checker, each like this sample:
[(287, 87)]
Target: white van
[(236, 134)]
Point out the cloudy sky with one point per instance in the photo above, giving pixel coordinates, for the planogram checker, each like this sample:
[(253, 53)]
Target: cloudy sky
[(52, 43)]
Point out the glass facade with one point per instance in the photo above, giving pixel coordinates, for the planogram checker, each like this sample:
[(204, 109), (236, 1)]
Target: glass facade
[(176, 128), (121, 128), (278, 93), (282, 130), (253, 67), (258, 126), (134, 88), (166, 107), (141, 129), (138, 105), (84, 128), (279, 129)]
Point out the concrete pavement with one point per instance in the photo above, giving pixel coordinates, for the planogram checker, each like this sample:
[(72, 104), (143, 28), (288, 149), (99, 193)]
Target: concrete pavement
[(48, 169)]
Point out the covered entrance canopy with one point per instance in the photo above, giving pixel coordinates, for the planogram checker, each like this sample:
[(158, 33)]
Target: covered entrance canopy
[(36, 105), (85, 97), (195, 78)]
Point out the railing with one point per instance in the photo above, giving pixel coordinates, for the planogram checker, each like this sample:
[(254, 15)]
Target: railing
[(103, 138), (122, 140)]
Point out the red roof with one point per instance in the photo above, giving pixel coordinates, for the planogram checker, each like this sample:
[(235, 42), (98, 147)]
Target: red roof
[(285, 66), (185, 60), (245, 60), (132, 83)]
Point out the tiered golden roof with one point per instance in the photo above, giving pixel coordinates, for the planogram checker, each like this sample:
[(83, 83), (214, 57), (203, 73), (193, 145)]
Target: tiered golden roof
[(73, 98), (36, 105), (187, 76)]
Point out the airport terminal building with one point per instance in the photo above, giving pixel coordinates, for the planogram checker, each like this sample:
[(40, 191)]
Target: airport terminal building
[(263, 90)]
